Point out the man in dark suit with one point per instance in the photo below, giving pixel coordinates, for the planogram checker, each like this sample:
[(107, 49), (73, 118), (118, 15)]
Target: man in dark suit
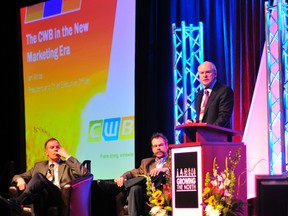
[(41, 185), (219, 107), (154, 166)]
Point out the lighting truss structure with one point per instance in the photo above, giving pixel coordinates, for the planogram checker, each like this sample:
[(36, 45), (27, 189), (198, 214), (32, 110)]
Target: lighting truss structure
[(188, 54), (277, 74)]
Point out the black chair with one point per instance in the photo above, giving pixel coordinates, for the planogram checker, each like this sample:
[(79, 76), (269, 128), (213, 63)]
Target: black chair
[(76, 198)]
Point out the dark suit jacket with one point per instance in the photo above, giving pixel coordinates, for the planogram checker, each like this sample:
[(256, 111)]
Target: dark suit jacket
[(68, 170), (147, 164), (219, 108)]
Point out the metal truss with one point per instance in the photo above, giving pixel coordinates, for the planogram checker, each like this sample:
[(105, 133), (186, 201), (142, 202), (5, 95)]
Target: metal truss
[(277, 63), (285, 83), (188, 54)]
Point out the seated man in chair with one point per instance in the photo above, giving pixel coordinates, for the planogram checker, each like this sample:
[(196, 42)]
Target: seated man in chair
[(41, 185), (154, 166)]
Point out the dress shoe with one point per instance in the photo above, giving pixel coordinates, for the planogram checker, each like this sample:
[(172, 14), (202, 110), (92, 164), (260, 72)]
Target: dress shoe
[(12, 204)]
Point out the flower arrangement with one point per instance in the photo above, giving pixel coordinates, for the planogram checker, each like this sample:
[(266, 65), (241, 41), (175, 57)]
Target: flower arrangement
[(218, 194), (160, 197)]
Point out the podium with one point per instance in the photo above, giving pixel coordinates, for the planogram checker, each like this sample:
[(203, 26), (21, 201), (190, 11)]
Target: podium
[(193, 158)]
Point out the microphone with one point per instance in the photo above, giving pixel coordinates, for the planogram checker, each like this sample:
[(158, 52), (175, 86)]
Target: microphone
[(186, 110)]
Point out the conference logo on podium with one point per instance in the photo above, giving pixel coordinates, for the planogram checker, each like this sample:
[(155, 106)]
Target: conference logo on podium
[(186, 180)]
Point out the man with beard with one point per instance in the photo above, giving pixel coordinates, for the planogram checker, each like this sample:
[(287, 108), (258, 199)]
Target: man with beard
[(155, 166)]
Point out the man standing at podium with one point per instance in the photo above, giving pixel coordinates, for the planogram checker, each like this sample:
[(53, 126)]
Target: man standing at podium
[(213, 104)]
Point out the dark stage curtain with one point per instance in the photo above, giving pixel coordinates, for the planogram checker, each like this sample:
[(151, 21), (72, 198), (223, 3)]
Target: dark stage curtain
[(234, 37)]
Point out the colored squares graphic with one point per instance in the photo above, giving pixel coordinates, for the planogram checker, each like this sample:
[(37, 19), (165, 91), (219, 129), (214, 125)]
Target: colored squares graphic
[(70, 5), (34, 12), (51, 8)]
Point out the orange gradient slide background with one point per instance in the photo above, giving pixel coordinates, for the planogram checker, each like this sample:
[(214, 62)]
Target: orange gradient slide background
[(57, 88)]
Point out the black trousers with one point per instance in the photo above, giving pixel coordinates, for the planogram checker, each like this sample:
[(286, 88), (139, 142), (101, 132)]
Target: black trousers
[(42, 193), (136, 200)]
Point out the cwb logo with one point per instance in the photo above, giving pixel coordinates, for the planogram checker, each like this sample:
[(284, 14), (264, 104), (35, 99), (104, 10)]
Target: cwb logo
[(111, 129)]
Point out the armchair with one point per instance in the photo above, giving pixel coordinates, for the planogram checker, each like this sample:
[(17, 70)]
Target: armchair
[(76, 198)]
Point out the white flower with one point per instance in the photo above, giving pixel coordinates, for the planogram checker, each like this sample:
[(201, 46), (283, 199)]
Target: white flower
[(214, 182), (219, 178), (211, 211), (162, 212), (158, 211), (155, 209), (227, 182), (214, 212)]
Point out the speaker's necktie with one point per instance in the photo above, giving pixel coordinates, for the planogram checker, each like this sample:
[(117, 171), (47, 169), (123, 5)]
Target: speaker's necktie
[(50, 174), (206, 92)]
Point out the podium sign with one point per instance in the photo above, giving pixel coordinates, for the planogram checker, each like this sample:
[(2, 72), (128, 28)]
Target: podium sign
[(186, 181), (192, 159)]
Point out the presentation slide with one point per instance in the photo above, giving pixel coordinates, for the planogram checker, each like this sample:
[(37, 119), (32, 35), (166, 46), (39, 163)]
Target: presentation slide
[(78, 70)]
